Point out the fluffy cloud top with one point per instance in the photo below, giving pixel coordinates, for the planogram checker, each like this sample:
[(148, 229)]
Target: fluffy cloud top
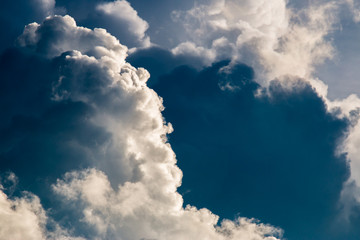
[(98, 112), (84, 113), (122, 10), (22, 218), (264, 34)]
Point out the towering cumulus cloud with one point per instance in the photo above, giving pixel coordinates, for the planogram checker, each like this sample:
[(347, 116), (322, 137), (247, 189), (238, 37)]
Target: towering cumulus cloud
[(267, 35), (87, 117)]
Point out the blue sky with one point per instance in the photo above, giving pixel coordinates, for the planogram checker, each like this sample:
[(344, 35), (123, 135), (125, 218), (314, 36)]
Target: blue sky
[(179, 119)]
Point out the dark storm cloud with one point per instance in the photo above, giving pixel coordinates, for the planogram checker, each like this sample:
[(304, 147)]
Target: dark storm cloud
[(271, 157), (41, 138), (159, 61)]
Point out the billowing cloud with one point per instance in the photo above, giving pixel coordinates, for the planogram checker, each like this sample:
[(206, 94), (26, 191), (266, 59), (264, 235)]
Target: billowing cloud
[(139, 210), (87, 126), (122, 10), (118, 17), (13, 18), (267, 35), (22, 218), (86, 114)]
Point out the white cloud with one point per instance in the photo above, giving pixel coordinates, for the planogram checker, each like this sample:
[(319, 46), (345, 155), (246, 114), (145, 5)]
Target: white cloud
[(141, 210), (189, 48), (22, 218), (60, 34), (137, 159), (264, 34), (236, 23), (122, 11)]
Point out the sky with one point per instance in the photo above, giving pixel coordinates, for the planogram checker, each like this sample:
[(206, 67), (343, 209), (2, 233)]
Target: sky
[(182, 119)]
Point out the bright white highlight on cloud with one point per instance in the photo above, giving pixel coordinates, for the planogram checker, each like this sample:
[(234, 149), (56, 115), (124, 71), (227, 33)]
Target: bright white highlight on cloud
[(122, 10), (263, 34), (136, 159), (22, 218), (146, 209)]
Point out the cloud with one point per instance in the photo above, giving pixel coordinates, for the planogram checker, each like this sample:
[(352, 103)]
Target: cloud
[(267, 35), (189, 48), (46, 6), (122, 10), (159, 61), (273, 156), (237, 23), (354, 8), (118, 17), (158, 215), (278, 39), (23, 217), (13, 18), (84, 113), (49, 39)]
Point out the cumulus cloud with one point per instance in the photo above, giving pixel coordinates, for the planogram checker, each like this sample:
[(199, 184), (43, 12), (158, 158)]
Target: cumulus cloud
[(87, 114), (23, 217), (122, 10), (88, 107), (264, 34), (118, 17), (13, 18), (139, 211), (189, 48), (237, 23), (51, 39)]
